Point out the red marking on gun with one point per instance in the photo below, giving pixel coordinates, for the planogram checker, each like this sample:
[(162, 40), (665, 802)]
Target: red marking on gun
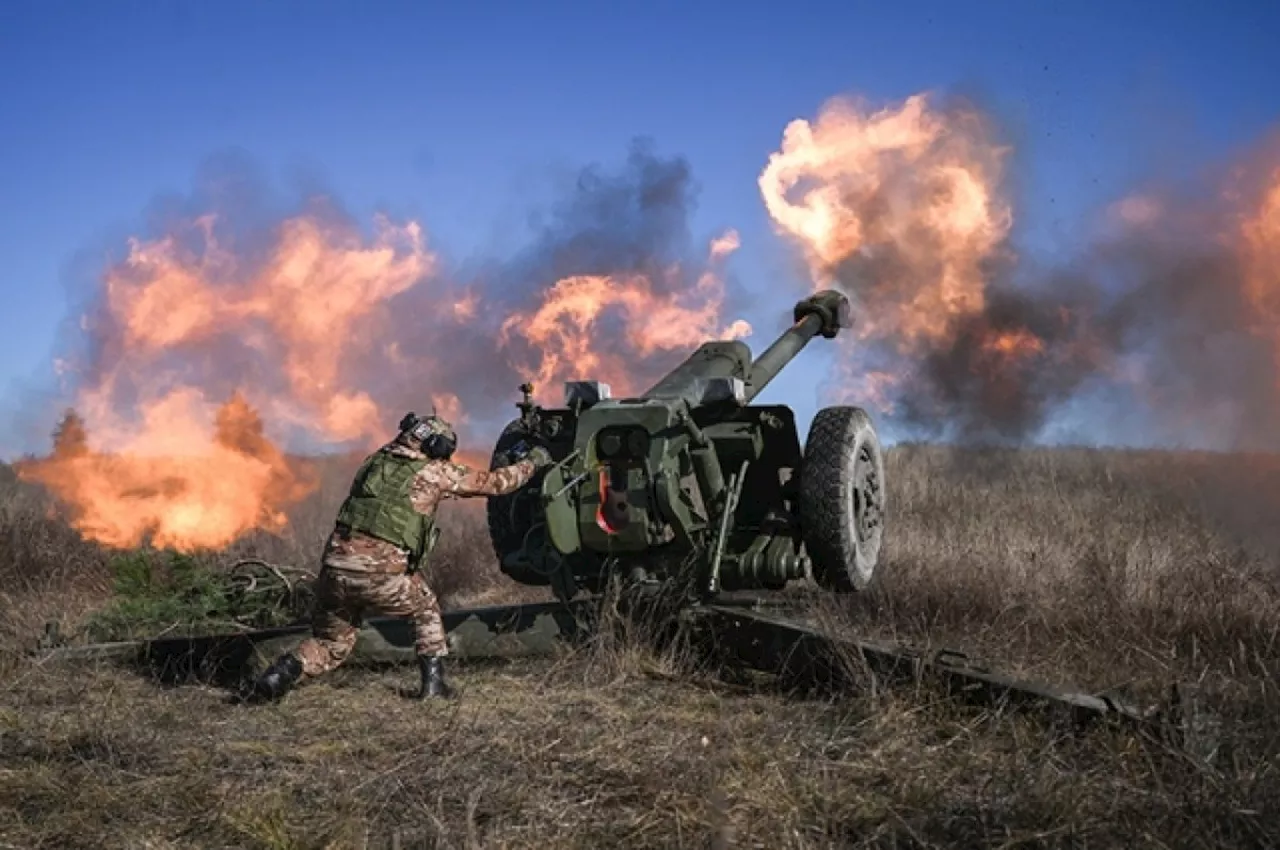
[(611, 515)]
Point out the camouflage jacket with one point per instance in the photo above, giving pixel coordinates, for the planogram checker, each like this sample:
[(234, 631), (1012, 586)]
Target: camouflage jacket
[(438, 480)]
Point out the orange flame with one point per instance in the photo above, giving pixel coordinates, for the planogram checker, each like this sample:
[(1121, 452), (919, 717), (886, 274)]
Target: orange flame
[(170, 447), (212, 484), (1259, 247), (1014, 344), (157, 456), (565, 334), (307, 302), (912, 179), (900, 208)]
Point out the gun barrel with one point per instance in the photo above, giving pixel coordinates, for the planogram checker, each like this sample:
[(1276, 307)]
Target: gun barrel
[(822, 313), (718, 359), (782, 352)]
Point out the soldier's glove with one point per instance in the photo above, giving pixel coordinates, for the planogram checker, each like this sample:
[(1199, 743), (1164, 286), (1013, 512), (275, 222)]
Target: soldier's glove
[(540, 457), (523, 451), (517, 453)]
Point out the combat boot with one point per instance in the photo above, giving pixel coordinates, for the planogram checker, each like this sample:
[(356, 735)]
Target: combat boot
[(278, 679), (433, 683)]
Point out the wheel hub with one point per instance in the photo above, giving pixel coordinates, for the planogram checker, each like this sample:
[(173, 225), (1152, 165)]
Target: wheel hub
[(866, 495)]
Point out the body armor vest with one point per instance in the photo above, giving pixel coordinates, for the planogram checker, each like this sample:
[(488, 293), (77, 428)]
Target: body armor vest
[(378, 504)]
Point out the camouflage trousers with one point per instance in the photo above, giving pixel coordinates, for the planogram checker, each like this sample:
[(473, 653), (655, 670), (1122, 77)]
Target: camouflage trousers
[(344, 598)]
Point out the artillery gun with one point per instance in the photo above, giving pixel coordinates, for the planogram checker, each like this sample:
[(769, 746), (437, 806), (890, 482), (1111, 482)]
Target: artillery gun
[(691, 482), (690, 487)]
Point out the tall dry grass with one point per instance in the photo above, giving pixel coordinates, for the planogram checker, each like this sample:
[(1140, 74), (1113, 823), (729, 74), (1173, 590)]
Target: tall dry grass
[(1039, 552), (49, 573), (1094, 565), (1098, 566)]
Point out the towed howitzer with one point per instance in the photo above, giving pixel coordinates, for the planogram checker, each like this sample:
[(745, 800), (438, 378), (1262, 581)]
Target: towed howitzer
[(691, 480)]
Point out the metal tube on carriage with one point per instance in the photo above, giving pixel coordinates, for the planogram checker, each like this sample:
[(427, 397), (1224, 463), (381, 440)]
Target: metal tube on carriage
[(821, 313), (719, 359)]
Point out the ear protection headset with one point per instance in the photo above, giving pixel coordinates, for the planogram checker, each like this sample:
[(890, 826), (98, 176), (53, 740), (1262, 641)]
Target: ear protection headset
[(434, 435)]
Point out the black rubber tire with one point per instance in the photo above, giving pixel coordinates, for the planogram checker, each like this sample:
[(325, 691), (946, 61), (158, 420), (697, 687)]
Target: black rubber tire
[(506, 534), (842, 499)]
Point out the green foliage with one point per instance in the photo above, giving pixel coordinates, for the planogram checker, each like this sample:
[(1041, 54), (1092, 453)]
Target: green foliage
[(174, 593)]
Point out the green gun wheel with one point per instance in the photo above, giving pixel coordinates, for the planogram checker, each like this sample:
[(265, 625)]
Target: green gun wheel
[(511, 517), (842, 499)]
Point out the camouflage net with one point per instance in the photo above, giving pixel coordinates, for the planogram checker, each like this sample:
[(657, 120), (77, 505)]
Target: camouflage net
[(277, 591), (166, 593)]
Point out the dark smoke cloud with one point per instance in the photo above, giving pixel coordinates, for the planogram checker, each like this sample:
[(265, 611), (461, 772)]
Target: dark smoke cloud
[(631, 217), (634, 218), (981, 396), (1149, 332)]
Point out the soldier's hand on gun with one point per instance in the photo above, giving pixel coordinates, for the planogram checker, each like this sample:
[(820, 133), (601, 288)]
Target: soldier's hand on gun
[(523, 451), (540, 457), (517, 453)]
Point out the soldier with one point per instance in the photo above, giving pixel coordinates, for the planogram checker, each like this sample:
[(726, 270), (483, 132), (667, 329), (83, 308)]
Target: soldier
[(374, 556)]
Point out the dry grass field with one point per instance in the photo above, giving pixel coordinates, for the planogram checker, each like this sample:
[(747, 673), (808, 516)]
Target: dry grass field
[(1105, 569)]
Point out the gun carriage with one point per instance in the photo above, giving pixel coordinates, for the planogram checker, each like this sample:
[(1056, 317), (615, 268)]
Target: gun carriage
[(690, 481)]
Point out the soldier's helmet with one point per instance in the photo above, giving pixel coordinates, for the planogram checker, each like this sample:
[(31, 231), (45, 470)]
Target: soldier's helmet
[(433, 434)]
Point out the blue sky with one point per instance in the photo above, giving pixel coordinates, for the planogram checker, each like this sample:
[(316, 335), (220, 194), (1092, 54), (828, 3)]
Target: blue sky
[(456, 113)]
